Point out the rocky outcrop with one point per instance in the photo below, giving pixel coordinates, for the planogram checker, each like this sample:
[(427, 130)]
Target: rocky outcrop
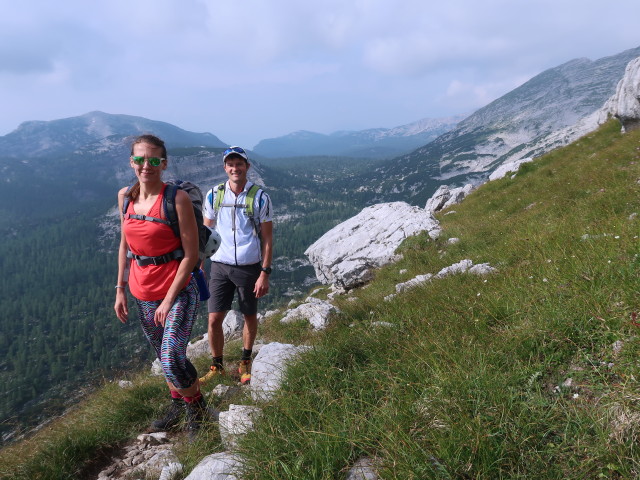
[(463, 266), (316, 311), (625, 103), (508, 167), (219, 466), (445, 197), (237, 421), (347, 254), (151, 455), (269, 367)]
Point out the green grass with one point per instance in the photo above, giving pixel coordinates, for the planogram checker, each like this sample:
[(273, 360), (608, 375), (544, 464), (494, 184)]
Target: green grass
[(472, 382), (512, 375)]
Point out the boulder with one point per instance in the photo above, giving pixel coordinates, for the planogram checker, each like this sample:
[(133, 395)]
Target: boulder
[(219, 466), (365, 468), (269, 366), (445, 197), (507, 167), (316, 311), (347, 254), (232, 324), (235, 422), (625, 103)]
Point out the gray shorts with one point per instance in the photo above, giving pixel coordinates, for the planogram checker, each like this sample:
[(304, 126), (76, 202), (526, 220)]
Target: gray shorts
[(225, 280)]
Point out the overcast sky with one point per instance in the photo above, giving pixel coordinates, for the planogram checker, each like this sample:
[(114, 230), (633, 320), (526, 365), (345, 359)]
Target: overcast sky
[(246, 70)]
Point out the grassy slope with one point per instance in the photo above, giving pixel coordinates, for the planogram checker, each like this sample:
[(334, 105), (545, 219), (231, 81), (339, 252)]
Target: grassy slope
[(473, 379)]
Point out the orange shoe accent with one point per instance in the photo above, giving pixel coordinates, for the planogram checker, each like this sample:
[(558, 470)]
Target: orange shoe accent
[(213, 372), (244, 369)]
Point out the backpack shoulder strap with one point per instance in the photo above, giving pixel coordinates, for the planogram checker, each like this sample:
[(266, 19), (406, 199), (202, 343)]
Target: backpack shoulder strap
[(126, 200), (219, 197), (169, 204), (251, 196), (125, 205)]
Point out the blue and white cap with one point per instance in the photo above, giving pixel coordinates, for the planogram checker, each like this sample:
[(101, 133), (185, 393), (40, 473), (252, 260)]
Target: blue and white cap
[(235, 151)]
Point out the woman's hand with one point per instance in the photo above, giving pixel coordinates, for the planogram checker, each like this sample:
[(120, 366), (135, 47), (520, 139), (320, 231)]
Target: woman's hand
[(121, 307), (162, 312)]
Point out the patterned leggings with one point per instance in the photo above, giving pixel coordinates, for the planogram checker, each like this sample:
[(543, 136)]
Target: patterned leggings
[(170, 342)]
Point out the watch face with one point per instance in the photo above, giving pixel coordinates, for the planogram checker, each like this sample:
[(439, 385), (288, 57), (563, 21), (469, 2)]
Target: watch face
[(267, 270)]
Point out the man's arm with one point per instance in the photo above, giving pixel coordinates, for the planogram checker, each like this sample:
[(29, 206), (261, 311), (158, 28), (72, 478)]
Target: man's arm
[(266, 232), (262, 284)]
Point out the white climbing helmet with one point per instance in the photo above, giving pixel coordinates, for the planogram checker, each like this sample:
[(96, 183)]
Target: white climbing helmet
[(213, 243)]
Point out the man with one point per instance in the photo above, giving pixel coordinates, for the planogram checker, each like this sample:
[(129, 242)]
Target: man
[(242, 264)]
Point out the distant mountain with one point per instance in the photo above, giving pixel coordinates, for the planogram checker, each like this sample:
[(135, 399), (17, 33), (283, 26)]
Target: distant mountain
[(47, 166), (40, 138), (371, 143), (523, 123)]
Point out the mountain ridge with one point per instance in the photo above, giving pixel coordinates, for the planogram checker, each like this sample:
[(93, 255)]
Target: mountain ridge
[(372, 142), (515, 126), (37, 138)]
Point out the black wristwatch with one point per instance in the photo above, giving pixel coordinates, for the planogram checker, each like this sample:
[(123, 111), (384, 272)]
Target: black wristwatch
[(266, 270)]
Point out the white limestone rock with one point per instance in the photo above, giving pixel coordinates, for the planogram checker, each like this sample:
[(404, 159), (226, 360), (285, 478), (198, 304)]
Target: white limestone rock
[(445, 197), (365, 468), (460, 267), (199, 348), (463, 266), (625, 103), (347, 254), (235, 422), (316, 311), (171, 471), (233, 324), (218, 466), (156, 368), (482, 269), (269, 366), (507, 167), (414, 282), (222, 391)]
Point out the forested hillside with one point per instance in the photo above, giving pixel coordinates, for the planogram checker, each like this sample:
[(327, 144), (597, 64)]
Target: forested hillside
[(58, 333)]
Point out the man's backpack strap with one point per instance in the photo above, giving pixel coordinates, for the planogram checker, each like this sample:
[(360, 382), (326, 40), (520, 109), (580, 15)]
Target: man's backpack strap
[(251, 197), (217, 202)]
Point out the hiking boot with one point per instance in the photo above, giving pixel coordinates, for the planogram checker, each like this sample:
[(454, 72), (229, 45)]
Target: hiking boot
[(244, 369), (214, 371), (171, 418), (196, 413)]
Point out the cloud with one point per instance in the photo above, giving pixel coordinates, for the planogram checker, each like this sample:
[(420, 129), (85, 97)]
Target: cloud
[(289, 64)]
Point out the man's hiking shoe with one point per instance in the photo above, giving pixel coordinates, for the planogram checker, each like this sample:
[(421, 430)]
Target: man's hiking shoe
[(197, 413), (245, 371), (214, 372), (171, 418)]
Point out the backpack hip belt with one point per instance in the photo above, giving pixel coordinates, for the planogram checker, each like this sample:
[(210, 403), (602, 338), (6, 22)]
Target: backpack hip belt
[(143, 260)]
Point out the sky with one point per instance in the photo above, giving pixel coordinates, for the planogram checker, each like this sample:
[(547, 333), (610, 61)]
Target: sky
[(247, 70)]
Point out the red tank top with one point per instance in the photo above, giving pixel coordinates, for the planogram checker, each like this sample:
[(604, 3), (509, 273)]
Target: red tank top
[(151, 239)]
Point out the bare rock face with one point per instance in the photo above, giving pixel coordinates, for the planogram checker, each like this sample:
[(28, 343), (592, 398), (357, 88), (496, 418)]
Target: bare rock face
[(346, 255), (317, 312), (218, 466), (235, 422), (445, 197), (625, 104), (269, 367)]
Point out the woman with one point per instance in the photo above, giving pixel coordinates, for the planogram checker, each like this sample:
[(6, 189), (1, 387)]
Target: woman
[(164, 290)]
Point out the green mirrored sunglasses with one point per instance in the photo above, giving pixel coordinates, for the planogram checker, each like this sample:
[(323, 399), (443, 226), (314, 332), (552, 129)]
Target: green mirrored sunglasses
[(153, 161)]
